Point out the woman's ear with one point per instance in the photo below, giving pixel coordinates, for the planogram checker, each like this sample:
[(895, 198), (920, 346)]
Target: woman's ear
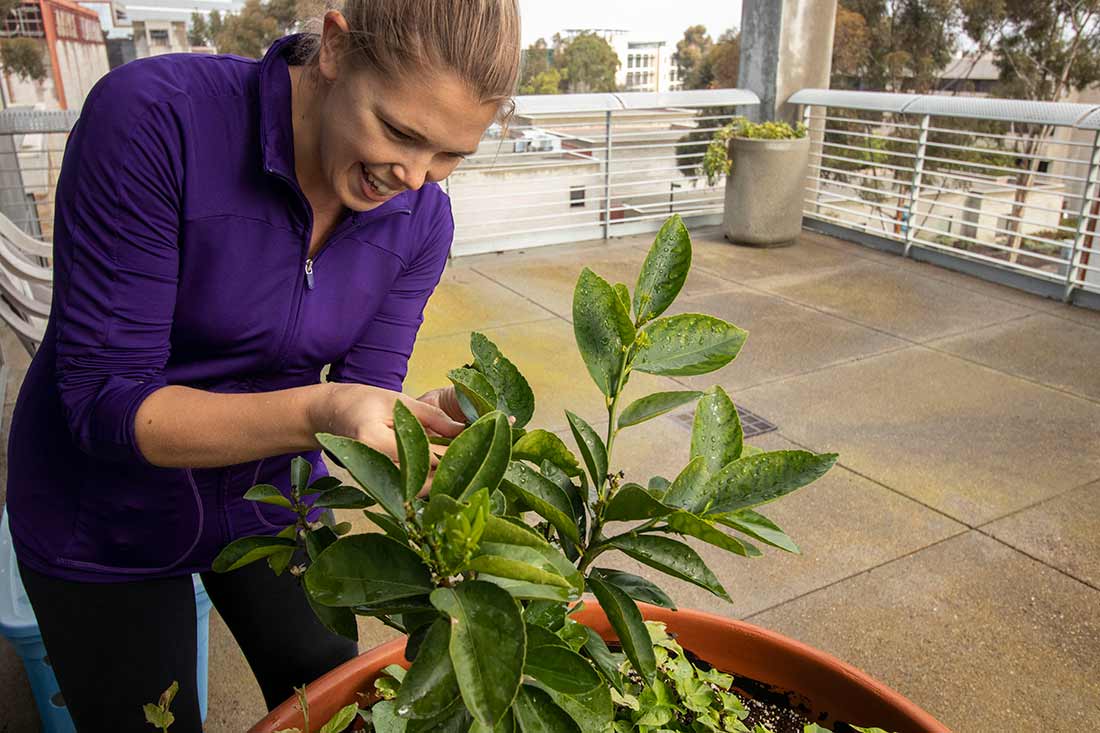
[(335, 45)]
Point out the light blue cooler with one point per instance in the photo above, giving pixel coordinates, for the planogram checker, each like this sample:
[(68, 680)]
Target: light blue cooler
[(18, 625)]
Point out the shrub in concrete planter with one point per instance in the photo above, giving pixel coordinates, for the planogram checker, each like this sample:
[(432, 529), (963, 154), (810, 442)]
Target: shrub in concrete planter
[(765, 167)]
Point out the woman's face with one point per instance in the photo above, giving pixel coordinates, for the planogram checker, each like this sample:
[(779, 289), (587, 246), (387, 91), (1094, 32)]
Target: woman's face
[(379, 137)]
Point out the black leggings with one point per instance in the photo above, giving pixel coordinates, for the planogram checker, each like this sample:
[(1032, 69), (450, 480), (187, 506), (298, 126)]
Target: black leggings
[(116, 646)]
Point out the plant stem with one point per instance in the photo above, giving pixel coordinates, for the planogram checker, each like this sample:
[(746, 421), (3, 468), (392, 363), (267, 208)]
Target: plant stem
[(590, 555)]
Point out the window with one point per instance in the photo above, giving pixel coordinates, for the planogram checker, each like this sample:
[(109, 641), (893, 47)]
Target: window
[(24, 22), (158, 37), (576, 197)]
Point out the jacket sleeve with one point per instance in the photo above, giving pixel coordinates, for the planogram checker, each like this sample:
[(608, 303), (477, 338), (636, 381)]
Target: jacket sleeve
[(381, 358), (116, 248)]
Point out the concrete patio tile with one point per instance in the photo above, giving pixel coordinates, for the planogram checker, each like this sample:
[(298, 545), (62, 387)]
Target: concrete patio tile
[(1061, 532), (546, 353), (972, 443), (549, 280), (980, 636), (466, 300), (1054, 351), (844, 525), (784, 338), (898, 301), (713, 254), (17, 710), (1077, 314)]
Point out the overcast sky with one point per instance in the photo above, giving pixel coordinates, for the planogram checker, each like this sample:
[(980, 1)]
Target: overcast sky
[(660, 19)]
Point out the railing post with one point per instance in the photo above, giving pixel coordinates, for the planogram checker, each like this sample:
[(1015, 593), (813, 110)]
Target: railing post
[(1092, 178), (914, 185), (607, 178)]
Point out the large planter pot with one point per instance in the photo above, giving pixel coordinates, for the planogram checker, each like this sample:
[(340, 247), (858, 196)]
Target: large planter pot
[(826, 684), (764, 191)]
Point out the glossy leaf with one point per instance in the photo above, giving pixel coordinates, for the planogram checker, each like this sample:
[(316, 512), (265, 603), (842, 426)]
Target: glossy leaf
[(664, 271), (658, 485), (475, 393), (507, 724), (509, 532), (592, 711), (487, 646), (522, 590), (413, 606), (654, 405), (344, 497), (540, 636), (687, 344), (245, 550), (365, 569), (388, 525), (758, 479), (636, 587), (624, 295), (267, 494), (691, 525), (758, 527), (514, 395), (321, 485), (476, 459), (536, 552), (689, 490), (516, 563), (602, 328), (536, 712), (631, 501), (605, 661), (430, 685), (385, 719), (561, 669), (542, 445), (318, 540), (626, 620), (592, 448), (340, 621), (543, 496), (339, 722), (300, 471), (576, 501), (413, 454), (374, 471), (671, 557), (716, 433)]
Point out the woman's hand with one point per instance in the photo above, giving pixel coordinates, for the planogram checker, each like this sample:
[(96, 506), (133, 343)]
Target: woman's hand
[(365, 413), (445, 399)]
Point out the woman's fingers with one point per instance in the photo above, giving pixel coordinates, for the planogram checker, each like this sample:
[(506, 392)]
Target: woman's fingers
[(433, 418)]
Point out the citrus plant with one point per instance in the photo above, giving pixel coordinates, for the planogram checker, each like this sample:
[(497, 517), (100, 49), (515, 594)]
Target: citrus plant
[(716, 161), (483, 571)]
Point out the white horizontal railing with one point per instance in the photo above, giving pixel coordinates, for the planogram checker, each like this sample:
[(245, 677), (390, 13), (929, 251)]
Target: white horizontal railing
[(1007, 183)]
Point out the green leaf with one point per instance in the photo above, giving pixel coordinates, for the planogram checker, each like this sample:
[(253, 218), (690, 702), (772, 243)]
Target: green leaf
[(636, 587), (245, 550), (340, 621), (758, 527), (602, 657), (592, 711), (536, 712), (624, 295), (474, 390), (414, 605), (514, 395), (319, 540), (716, 432), (387, 524), (631, 501), (413, 454), (374, 471), (487, 646), (602, 328), (626, 620), (562, 669), (689, 490), (321, 485), (664, 271), (687, 344), (300, 470), (541, 555), (156, 717), (541, 445), (385, 719), (279, 560), (498, 502), (522, 590), (342, 719), (659, 485), (476, 459), (268, 494), (543, 496), (671, 557), (654, 405), (507, 724), (365, 569), (430, 685), (693, 526), (758, 479), (344, 497), (508, 532), (593, 451), (540, 636), (517, 563)]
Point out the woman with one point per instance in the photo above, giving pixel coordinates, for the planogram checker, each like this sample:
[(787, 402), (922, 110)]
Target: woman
[(226, 228)]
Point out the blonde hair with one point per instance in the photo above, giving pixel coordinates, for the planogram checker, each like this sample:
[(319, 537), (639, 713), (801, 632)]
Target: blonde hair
[(478, 40)]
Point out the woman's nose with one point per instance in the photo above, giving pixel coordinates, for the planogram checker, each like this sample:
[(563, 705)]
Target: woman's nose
[(412, 173)]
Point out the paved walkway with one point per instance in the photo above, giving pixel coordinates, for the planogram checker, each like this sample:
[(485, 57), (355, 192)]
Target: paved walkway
[(954, 552)]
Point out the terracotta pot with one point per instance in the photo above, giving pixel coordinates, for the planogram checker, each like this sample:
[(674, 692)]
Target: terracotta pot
[(825, 682)]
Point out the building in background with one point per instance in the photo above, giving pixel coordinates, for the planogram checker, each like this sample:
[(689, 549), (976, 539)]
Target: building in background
[(156, 36), (117, 29), (73, 49), (160, 26), (645, 64)]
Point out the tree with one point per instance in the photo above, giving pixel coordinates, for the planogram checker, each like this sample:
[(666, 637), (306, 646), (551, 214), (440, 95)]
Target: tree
[(536, 60), (851, 46), (547, 82), (199, 34), (588, 64), (719, 68), (249, 32), (690, 54), (215, 26), (285, 14), (23, 57)]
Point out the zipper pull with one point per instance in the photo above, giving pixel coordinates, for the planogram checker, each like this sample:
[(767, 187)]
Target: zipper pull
[(309, 274)]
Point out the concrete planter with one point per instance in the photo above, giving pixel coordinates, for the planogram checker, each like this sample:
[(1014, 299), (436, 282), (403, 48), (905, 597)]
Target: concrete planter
[(764, 191)]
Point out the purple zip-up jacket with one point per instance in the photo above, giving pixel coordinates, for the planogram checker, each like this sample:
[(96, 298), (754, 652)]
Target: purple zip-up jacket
[(180, 247)]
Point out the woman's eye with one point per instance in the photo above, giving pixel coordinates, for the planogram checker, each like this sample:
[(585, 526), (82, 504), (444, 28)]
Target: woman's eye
[(397, 133)]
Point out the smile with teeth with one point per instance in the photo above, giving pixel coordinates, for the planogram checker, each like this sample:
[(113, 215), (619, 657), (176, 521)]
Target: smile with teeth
[(380, 188)]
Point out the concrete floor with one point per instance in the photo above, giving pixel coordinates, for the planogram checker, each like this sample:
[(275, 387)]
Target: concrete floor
[(953, 552)]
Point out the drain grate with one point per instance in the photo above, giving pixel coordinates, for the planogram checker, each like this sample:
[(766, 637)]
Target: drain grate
[(751, 423)]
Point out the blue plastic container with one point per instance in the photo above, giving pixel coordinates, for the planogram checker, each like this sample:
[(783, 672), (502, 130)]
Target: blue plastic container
[(19, 626)]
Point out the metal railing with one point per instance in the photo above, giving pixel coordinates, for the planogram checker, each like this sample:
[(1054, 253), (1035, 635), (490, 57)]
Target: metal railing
[(1008, 184), (32, 144)]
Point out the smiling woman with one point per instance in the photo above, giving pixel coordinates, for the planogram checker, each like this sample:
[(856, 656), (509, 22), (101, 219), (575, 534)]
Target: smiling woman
[(226, 228)]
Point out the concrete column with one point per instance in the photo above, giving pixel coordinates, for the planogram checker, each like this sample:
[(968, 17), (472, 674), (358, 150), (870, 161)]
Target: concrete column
[(786, 45)]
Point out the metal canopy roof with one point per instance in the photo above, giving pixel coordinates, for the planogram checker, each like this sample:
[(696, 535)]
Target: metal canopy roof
[(1063, 114)]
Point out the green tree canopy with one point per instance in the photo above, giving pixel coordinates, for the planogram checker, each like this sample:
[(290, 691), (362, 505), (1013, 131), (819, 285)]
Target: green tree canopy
[(248, 32), (690, 56), (546, 82), (199, 34), (588, 64), (536, 60)]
